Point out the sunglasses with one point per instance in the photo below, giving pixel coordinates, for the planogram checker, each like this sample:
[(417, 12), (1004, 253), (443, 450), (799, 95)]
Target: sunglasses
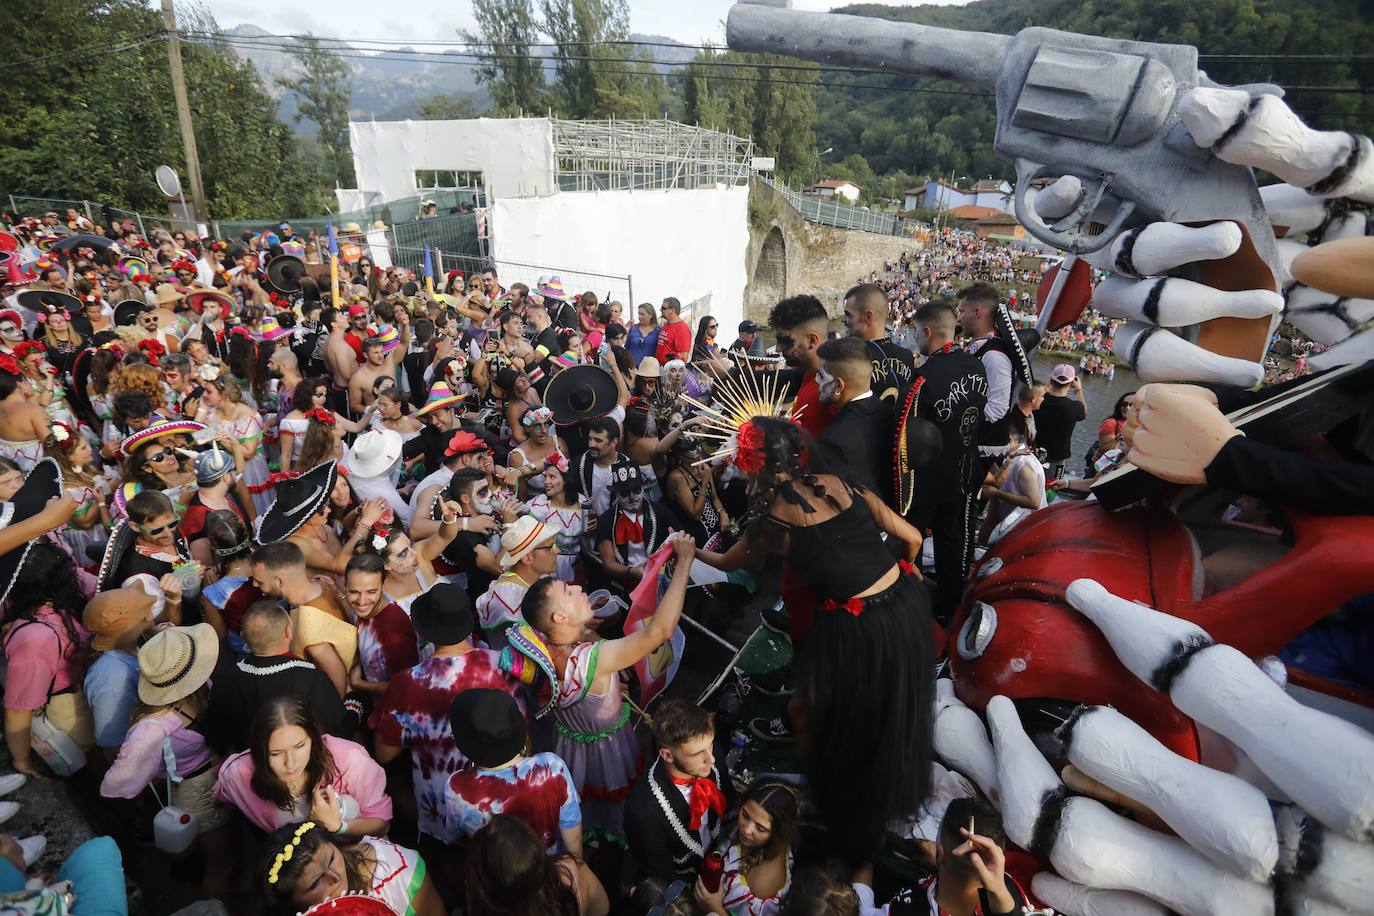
[(159, 455), (154, 532)]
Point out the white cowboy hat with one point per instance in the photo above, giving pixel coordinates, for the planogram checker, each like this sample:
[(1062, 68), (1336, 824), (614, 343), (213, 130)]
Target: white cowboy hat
[(374, 453)]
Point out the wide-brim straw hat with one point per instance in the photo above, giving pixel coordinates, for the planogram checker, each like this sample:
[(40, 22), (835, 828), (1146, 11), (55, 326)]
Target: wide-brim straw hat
[(176, 662), (521, 538)]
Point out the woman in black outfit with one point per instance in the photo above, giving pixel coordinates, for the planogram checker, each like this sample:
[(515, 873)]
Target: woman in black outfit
[(862, 711)]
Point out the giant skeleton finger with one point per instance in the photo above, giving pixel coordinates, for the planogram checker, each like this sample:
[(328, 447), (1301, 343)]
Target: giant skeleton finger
[(1264, 133), (1323, 763), (1160, 356), (1175, 303), (962, 740), (1077, 900), (1324, 864), (1225, 818), (1089, 844)]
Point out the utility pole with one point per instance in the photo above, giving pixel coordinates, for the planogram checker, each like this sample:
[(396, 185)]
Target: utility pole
[(188, 134)]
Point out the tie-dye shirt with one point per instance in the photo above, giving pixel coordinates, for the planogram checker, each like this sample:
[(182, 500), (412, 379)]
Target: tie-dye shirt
[(413, 713), (537, 790), (386, 644)]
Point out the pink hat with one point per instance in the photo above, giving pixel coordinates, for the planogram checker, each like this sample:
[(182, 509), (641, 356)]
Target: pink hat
[(1063, 374), (269, 330)]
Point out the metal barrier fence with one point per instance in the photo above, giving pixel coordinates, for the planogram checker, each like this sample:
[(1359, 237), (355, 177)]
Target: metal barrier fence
[(608, 287), (842, 216), (95, 211), (391, 213)]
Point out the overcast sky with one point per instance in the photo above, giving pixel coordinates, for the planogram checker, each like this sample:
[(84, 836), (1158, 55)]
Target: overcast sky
[(688, 21)]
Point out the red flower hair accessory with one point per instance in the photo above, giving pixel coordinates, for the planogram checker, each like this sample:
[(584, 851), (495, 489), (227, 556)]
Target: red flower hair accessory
[(240, 331), (557, 460), (183, 264), (320, 415), (9, 364), (22, 350), (63, 436), (749, 448), (152, 349)]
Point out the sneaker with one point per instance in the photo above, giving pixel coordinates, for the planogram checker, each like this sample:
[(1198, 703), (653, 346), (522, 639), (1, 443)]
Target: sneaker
[(777, 619), (8, 810), (770, 729), (11, 781), (32, 847)]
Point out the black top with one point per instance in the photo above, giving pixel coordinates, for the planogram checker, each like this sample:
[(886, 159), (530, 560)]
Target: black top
[(431, 443), (953, 396), (841, 556), (1269, 472), (241, 686), (656, 519), (462, 553), (858, 443), (655, 833), (894, 365), (1054, 423)]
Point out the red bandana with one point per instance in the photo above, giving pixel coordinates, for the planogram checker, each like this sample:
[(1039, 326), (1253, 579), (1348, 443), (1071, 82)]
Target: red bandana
[(704, 794), (627, 530)]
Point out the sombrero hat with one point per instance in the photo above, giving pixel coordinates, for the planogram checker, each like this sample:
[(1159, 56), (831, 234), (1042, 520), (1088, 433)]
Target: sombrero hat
[(297, 502), (19, 274), (130, 265), (580, 393), (47, 301), (157, 431), (284, 273), (440, 396), (915, 448), (1019, 342), (43, 483), (294, 248), (126, 312), (269, 330), (121, 541), (351, 905), (196, 300), (553, 289), (8, 242)]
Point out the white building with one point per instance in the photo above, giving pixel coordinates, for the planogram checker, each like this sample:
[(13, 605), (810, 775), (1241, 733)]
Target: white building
[(941, 195), (835, 187), (660, 204)]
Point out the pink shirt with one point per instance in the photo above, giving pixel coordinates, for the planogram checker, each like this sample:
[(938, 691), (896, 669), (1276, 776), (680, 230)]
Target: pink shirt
[(140, 756), (356, 775), (41, 660)]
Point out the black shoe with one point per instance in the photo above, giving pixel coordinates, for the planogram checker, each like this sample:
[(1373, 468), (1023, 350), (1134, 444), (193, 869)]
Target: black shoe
[(770, 729), (777, 619), (775, 683)]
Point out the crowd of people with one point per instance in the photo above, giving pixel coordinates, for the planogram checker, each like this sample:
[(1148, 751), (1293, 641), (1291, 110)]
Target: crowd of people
[(348, 580)]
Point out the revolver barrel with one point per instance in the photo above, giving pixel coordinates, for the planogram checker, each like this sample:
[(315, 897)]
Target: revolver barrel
[(860, 41)]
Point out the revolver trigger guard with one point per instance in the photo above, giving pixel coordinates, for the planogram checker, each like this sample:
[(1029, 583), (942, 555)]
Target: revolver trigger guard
[(1057, 235)]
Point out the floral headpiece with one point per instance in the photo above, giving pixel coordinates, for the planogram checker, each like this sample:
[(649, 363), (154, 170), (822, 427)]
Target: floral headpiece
[(9, 364), (61, 436), (114, 347), (320, 415), (537, 415), (738, 401), (23, 349), (182, 264), (285, 855), (557, 460), (152, 349), (380, 537)]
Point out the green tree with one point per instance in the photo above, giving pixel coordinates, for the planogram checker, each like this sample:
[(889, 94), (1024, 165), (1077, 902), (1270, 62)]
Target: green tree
[(449, 106), (594, 79), (95, 124), (322, 84), (506, 30)]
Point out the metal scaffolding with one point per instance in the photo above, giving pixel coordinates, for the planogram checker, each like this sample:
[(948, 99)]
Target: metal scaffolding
[(633, 155)]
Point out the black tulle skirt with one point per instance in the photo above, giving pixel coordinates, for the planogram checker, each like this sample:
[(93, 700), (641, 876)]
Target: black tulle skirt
[(868, 680)]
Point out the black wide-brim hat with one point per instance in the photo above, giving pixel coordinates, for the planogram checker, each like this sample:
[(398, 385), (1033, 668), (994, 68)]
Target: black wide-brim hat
[(580, 393), (916, 447), (488, 726), (284, 273), (126, 312), (443, 615), (47, 301), (1020, 342), (121, 541), (297, 502), (43, 483)]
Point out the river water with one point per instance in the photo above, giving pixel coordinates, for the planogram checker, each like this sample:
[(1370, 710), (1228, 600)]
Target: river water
[(1098, 391)]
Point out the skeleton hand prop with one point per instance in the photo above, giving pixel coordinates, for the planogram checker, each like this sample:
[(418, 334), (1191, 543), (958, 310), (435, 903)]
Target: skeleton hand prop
[(1323, 763), (1332, 171)]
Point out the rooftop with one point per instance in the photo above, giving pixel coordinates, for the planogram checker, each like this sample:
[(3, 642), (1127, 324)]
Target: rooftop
[(971, 212), (834, 183)]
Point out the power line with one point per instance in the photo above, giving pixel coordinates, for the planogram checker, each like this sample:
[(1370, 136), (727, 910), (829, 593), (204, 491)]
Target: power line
[(89, 51), (450, 58), (1297, 56)]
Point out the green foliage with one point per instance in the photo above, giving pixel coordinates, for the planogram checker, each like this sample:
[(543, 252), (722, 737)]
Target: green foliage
[(449, 106), (513, 75), (96, 125), (593, 80), (774, 107), (322, 84), (934, 134)]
